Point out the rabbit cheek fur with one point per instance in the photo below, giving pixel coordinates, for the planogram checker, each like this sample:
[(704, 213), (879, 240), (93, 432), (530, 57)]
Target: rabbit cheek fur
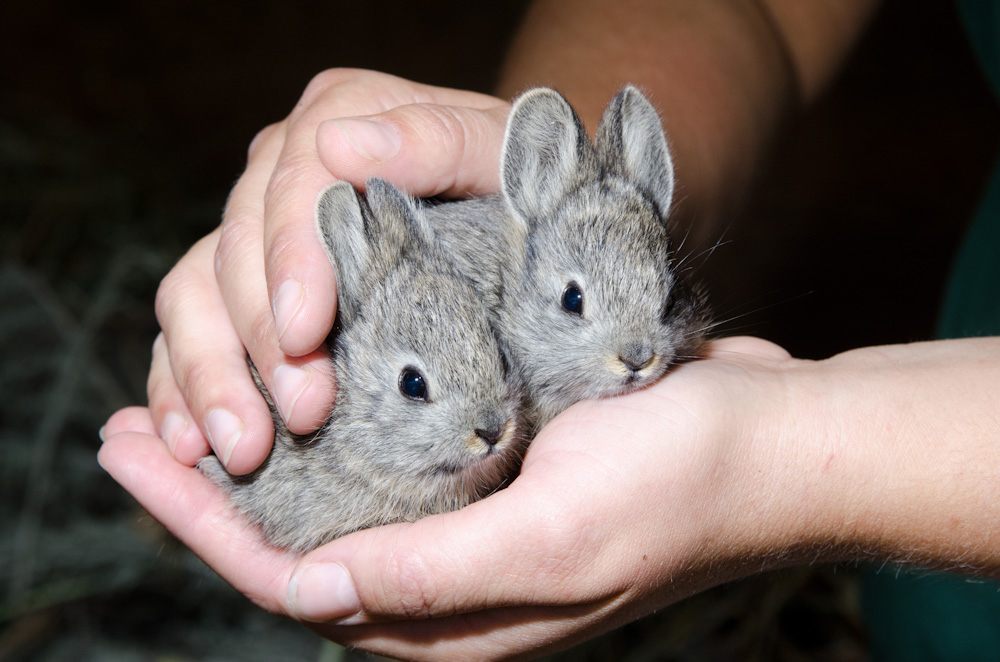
[(382, 456)]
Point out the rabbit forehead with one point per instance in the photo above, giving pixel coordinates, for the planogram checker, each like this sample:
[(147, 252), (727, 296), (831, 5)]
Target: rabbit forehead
[(425, 316), (609, 239)]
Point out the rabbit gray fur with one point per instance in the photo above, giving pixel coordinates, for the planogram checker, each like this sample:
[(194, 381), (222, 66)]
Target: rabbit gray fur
[(381, 456), (591, 214)]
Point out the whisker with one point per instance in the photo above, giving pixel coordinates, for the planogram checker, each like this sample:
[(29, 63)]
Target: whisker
[(711, 326), (680, 247)]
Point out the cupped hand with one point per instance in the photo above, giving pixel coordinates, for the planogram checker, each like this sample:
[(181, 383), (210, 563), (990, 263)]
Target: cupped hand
[(261, 283), (622, 505)]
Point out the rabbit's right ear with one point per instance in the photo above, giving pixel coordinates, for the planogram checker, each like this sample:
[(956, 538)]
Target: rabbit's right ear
[(364, 238), (341, 225), (545, 153), (631, 142)]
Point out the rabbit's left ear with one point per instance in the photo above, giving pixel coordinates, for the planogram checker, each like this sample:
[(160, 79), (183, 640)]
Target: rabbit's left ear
[(545, 153), (631, 143)]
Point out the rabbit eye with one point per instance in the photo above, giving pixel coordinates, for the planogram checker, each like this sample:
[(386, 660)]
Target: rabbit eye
[(572, 299), (413, 385)]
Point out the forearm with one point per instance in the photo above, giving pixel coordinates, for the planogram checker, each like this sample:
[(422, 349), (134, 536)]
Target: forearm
[(894, 454), (722, 73)]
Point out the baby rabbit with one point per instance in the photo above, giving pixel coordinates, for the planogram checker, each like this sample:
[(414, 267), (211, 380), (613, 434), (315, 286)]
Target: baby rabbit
[(573, 257), (426, 418)]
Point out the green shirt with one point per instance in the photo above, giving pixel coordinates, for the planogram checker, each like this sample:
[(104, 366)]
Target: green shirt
[(935, 616)]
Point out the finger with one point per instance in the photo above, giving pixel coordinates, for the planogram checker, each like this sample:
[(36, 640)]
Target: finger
[(276, 201), (208, 363), (517, 547), (299, 276), (129, 419), (198, 513), (746, 346), (302, 387), (425, 149), (170, 414), (370, 92), (486, 635)]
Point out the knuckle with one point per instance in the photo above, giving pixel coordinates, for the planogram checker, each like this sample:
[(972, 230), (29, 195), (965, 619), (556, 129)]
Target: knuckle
[(157, 395), (239, 229), (199, 380), (261, 137), (168, 293), (563, 544), (290, 174), (440, 124), (284, 247), (261, 334), (159, 349), (325, 80), (410, 588)]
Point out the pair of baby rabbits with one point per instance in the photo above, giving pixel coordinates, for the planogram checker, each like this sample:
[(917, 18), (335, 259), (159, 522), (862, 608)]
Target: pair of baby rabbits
[(464, 327)]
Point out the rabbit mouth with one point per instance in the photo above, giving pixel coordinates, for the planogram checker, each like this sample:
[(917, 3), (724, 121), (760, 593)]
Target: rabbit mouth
[(489, 458), (484, 474), (628, 376)]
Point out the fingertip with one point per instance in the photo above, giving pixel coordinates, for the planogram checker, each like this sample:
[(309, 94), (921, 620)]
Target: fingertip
[(749, 345), (190, 447), (121, 453), (304, 302), (248, 452), (129, 419), (304, 330), (305, 393)]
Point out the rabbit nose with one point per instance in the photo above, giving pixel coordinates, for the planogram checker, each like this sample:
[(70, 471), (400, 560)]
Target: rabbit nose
[(636, 358), (491, 436)]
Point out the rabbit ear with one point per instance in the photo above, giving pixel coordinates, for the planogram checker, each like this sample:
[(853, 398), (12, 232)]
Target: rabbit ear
[(544, 153), (393, 223), (631, 143), (363, 239)]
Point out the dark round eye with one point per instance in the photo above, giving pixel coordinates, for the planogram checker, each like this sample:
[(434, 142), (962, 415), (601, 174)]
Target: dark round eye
[(412, 384), (572, 299)]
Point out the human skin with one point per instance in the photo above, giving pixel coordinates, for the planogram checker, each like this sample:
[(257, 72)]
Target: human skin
[(722, 74), (214, 305), (745, 461)]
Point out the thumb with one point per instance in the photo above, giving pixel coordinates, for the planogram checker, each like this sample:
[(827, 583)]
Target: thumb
[(746, 346), (499, 552), (425, 149)]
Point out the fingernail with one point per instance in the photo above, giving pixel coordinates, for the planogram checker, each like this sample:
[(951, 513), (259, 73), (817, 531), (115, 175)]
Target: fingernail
[(289, 383), (172, 428), (224, 431), (100, 433), (287, 302), (322, 592), (376, 141)]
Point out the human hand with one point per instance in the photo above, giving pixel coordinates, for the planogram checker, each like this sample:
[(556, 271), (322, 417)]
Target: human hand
[(622, 505), (261, 284)]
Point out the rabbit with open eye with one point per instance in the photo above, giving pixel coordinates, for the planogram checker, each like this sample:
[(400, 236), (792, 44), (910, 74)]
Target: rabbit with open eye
[(426, 417), (573, 257)]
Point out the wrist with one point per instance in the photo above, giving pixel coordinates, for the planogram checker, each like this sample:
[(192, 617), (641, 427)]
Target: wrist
[(774, 503), (886, 453)]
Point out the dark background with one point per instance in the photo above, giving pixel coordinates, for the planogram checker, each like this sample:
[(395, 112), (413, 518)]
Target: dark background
[(122, 127)]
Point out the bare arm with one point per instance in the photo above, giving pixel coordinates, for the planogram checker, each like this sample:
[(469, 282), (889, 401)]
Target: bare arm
[(746, 461), (722, 73)]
